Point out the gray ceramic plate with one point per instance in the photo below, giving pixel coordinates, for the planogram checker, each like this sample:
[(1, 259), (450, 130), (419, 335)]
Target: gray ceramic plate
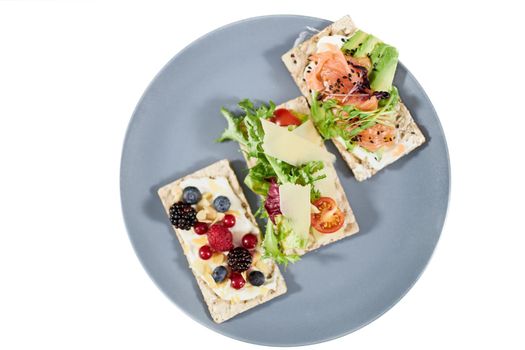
[(332, 291)]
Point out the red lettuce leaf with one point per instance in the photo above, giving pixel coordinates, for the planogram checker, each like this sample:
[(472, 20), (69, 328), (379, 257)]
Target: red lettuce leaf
[(272, 202)]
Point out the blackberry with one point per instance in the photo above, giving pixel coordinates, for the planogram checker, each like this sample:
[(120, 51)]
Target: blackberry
[(182, 215), (239, 259)]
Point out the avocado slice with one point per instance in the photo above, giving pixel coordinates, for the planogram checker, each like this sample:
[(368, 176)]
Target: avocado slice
[(377, 53), (367, 46), (384, 63), (352, 44)]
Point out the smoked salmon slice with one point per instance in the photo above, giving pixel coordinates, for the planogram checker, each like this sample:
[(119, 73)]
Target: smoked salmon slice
[(343, 78), (376, 137)]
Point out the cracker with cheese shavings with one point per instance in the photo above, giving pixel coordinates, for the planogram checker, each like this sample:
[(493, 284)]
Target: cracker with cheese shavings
[(220, 309), (411, 137), (351, 227)]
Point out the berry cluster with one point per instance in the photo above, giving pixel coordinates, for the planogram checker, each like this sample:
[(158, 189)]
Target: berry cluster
[(220, 239)]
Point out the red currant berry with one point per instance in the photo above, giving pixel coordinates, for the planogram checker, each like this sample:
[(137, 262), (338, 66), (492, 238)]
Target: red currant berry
[(229, 220), (200, 228), (249, 241), (236, 280), (205, 252)]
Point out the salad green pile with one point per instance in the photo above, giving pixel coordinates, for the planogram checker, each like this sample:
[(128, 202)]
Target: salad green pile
[(346, 122), (247, 130)]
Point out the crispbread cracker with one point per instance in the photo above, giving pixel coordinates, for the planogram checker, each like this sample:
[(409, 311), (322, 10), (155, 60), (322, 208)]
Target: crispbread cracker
[(296, 60), (300, 105), (220, 310)]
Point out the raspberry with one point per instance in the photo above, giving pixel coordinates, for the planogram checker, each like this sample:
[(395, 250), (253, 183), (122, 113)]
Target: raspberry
[(220, 238)]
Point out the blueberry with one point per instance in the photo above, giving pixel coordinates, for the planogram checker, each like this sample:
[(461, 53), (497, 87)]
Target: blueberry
[(221, 204), (219, 274), (191, 195), (256, 278)]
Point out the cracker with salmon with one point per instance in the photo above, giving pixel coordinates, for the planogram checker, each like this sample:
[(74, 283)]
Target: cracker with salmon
[(320, 69)]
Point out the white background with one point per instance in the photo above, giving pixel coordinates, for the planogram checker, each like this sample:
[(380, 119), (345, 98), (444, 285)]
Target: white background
[(70, 77)]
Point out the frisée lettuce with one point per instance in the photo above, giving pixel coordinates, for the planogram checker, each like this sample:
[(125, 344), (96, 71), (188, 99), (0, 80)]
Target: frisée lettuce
[(345, 122), (265, 176)]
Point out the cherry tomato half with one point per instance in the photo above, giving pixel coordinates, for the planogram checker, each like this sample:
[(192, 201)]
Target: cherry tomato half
[(330, 218), (284, 117)]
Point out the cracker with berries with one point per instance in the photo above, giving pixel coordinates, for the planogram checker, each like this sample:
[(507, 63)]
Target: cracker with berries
[(221, 241)]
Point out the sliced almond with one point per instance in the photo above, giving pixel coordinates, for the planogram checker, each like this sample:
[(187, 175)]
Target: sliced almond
[(233, 212), (211, 213), (201, 215), (175, 194), (218, 258), (207, 269), (210, 281), (199, 267), (219, 217), (256, 256), (200, 241), (262, 266), (203, 204)]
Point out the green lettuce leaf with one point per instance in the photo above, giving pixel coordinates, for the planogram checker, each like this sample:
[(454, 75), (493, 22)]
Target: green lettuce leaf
[(287, 236), (258, 175), (234, 129), (273, 237), (252, 123), (346, 122), (305, 174)]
